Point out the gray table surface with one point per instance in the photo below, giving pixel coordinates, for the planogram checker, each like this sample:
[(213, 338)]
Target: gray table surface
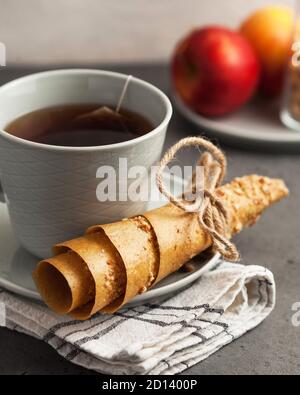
[(271, 348)]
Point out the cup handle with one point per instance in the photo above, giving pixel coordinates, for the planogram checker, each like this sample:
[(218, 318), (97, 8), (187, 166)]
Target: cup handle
[(2, 198)]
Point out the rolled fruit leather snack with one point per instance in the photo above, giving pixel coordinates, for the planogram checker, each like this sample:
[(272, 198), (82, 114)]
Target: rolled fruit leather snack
[(112, 263)]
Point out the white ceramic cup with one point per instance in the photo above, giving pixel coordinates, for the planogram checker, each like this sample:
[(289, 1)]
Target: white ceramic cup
[(50, 191)]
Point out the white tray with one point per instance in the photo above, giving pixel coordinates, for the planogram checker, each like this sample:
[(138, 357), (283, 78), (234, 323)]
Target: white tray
[(257, 124)]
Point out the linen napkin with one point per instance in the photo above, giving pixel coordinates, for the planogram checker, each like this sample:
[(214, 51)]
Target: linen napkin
[(164, 338)]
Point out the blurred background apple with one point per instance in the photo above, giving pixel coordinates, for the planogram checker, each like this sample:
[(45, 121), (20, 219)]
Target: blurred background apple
[(215, 70), (269, 30)]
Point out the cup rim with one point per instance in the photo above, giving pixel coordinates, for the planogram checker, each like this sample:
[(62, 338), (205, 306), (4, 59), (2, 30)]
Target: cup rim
[(91, 72)]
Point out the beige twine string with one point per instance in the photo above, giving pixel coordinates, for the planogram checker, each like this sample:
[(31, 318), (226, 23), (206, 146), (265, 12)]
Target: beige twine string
[(212, 212)]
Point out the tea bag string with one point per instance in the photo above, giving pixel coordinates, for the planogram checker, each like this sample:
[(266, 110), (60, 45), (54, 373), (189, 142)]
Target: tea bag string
[(104, 110), (123, 93), (212, 213)]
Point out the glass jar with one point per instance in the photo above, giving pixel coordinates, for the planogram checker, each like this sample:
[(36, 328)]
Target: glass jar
[(290, 109)]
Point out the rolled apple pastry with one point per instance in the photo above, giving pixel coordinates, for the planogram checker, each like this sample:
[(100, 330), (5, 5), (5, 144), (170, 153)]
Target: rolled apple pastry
[(112, 263)]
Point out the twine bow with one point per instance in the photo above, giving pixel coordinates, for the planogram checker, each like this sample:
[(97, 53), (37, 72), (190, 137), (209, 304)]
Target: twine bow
[(211, 210)]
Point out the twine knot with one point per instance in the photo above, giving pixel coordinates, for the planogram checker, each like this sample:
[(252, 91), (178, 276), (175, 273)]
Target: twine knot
[(211, 210)]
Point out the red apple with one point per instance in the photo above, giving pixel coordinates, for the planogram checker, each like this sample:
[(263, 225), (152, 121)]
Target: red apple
[(215, 70)]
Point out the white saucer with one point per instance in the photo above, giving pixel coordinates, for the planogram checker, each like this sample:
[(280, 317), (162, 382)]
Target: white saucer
[(16, 266), (257, 124)]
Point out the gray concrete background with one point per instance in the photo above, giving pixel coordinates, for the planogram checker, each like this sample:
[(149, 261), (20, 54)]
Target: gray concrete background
[(271, 348), (43, 31)]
